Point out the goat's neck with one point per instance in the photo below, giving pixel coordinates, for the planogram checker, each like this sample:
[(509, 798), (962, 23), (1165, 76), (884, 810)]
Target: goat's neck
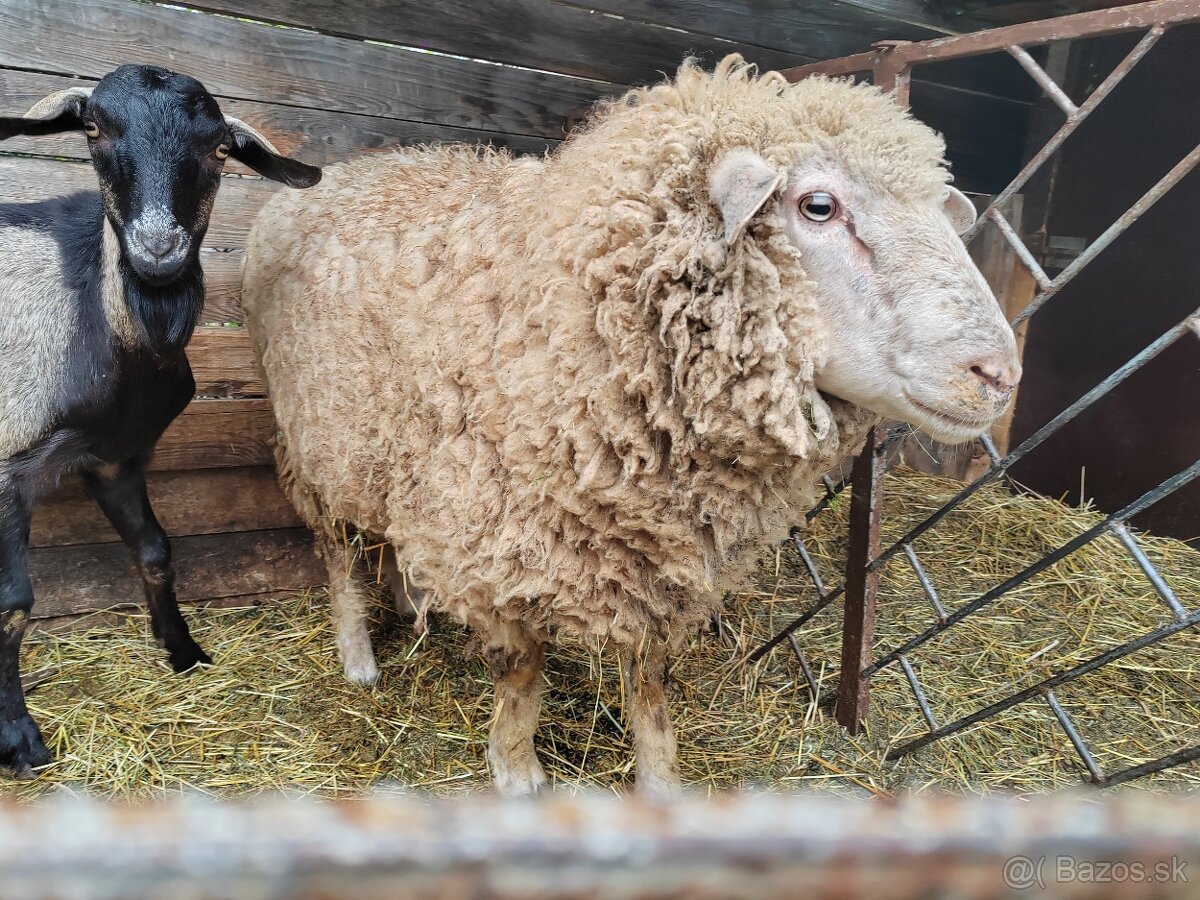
[(144, 317)]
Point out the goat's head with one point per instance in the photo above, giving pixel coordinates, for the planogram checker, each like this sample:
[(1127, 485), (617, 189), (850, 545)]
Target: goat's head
[(911, 329), (158, 142)]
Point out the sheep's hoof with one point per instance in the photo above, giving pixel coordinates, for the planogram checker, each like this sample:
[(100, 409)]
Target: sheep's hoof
[(21, 746), (187, 656), (362, 671), (658, 787), (517, 774)]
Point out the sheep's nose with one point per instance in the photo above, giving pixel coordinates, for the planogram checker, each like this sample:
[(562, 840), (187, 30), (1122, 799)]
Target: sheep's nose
[(999, 374), (161, 244)]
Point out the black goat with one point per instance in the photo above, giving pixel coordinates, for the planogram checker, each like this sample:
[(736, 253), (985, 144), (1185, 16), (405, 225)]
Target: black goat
[(99, 294)]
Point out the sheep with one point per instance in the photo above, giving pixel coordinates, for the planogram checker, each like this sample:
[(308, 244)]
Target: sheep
[(99, 294), (578, 392)]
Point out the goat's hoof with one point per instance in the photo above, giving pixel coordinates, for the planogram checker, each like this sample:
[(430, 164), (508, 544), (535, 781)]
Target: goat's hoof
[(187, 656), (362, 671), (21, 746)]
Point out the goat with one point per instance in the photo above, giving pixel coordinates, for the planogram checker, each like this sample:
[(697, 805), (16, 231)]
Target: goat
[(99, 295)]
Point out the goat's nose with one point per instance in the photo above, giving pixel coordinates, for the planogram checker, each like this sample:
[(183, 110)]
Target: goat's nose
[(161, 244), (998, 373)]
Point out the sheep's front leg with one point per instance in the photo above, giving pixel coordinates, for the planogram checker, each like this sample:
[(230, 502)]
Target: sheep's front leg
[(517, 670), (21, 745), (121, 494), (653, 736), (348, 599), (409, 598)]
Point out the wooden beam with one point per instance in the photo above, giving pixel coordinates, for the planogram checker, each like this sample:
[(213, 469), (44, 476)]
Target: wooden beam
[(215, 434), (537, 34), (316, 136), (295, 68), (208, 501), (223, 363), (89, 577)]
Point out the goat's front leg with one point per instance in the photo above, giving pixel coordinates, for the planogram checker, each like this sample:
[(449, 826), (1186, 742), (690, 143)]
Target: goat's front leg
[(653, 737), (21, 745), (121, 494), (517, 670)]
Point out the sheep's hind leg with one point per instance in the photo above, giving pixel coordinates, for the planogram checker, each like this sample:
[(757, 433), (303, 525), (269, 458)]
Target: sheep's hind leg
[(348, 600), (408, 597), (120, 492), (653, 736), (517, 670)]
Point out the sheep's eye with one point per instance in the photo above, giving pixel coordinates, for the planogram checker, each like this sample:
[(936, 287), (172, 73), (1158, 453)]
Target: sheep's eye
[(91, 129), (222, 152), (818, 206)]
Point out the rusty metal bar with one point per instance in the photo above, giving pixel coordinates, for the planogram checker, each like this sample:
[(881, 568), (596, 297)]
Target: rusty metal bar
[(919, 693), (1189, 754), (1090, 665), (1035, 269), (991, 449), (1069, 127), (589, 846), (1134, 17), (1077, 742), (1160, 585), (1043, 79), (862, 581), (1139, 505), (813, 688), (1115, 230), (926, 584)]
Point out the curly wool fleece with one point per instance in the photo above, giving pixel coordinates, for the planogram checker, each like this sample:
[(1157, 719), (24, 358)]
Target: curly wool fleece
[(550, 383)]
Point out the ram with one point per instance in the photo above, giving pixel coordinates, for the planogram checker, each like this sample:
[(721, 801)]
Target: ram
[(578, 393), (99, 294)]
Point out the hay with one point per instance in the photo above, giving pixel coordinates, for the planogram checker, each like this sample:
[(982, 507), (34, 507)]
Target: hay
[(275, 713)]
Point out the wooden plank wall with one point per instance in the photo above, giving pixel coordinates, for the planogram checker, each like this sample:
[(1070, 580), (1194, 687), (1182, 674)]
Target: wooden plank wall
[(350, 78)]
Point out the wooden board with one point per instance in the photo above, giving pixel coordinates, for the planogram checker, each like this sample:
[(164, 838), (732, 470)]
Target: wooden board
[(223, 363), (279, 65), (203, 502), (536, 34), (318, 137), (216, 434), (222, 288), (90, 577), (31, 180)]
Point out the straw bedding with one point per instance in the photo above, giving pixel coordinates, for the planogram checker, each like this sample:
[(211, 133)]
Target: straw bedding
[(275, 713)]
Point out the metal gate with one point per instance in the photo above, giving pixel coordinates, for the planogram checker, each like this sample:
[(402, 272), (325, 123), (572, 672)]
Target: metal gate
[(890, 65)]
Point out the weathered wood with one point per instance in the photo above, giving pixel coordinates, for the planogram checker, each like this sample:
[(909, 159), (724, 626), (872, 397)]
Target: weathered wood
[(223, 363), (31, 180), (89, 577), (279, 65), (208, 501), (215, 434), (318, 137), (537, 34), (222, 288)]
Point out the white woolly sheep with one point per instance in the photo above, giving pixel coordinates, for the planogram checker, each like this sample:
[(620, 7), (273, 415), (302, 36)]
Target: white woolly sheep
[(579, 392)]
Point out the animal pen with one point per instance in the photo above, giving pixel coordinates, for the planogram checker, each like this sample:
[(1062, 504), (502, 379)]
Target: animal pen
[(966, 600)]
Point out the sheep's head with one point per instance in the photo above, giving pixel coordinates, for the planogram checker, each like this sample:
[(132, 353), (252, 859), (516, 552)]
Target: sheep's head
[(911, 329)]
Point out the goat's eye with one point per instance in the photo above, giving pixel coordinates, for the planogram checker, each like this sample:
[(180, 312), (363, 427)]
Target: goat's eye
[(222, 152), (91, 129), (818, 206)]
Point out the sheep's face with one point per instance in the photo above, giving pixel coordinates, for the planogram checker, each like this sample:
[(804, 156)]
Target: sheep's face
[(158, 142), (912, 330)]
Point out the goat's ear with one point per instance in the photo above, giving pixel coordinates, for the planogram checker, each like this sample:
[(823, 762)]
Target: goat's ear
[(254, 150), (61, 111), (959, 210), (740, 185)]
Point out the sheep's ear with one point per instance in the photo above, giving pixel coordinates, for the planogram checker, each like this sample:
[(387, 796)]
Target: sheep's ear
[(61, 111), (740, 184), (959, 210), (254, 150)]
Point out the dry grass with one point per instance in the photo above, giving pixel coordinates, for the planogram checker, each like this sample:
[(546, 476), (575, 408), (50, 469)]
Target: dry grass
[(275, 714)]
